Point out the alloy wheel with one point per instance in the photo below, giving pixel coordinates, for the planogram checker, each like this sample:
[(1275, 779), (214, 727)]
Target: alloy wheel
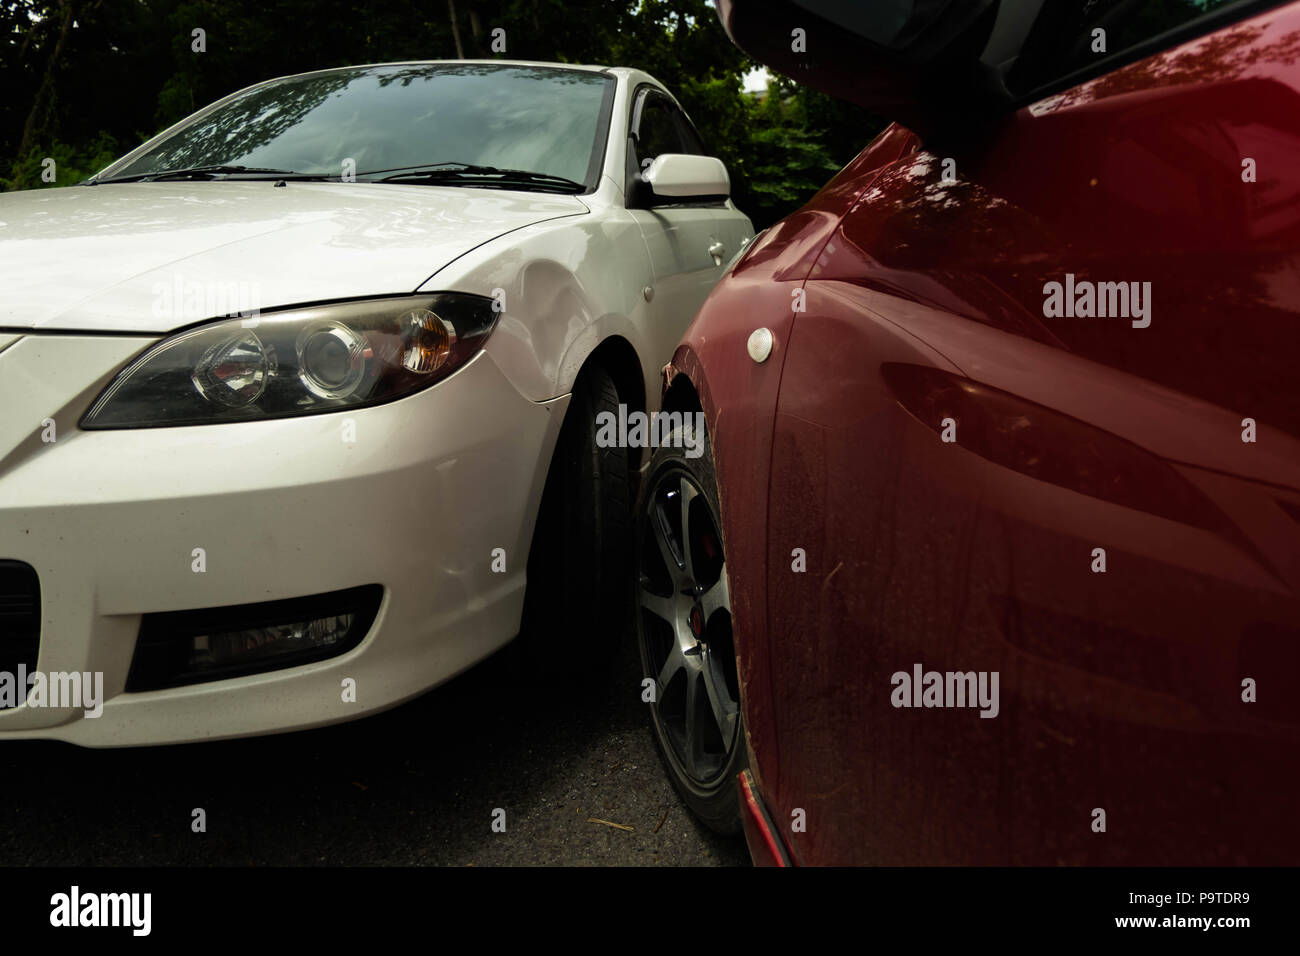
[(685, 627)]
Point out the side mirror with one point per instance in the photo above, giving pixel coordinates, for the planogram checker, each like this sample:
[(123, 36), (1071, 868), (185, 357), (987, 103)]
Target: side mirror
[(678, 177), (913, 61)]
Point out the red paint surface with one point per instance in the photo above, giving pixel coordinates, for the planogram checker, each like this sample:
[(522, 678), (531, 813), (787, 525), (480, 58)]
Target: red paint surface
[(1119, 690)]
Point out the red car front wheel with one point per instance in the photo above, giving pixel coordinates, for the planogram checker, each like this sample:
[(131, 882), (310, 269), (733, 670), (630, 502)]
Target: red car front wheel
[(684, 631)]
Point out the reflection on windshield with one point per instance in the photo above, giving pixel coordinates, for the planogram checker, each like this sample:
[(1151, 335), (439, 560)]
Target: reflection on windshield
[(541, 119)]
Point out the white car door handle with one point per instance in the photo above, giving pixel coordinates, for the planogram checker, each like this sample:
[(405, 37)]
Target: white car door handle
[(717, 250)]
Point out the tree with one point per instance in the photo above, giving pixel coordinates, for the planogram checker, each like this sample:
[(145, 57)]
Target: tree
[(55, 55)]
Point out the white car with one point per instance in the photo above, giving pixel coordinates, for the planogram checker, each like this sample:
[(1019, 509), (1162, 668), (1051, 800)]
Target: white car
[(281, 391)]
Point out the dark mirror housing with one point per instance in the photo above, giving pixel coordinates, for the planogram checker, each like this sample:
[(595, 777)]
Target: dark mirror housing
[(913, 61)]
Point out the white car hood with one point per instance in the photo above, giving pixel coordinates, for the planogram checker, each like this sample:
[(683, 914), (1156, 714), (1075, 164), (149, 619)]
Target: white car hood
[(97, 258)]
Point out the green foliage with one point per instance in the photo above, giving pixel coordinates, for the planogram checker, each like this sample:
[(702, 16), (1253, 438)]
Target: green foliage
[(781, 159), (82, 95), (71, 165)]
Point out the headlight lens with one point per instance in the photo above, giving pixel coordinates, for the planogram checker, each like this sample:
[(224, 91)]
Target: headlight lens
[(233, 371), (296, 362)]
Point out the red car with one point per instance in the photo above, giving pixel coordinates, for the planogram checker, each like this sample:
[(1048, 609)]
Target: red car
[(993, 553)]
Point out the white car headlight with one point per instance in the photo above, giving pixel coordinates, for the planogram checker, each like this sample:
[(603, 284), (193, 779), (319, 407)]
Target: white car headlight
[(296, 362)]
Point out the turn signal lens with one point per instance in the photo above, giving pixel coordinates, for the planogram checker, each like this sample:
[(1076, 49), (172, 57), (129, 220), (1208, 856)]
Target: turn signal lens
[(428, 340)]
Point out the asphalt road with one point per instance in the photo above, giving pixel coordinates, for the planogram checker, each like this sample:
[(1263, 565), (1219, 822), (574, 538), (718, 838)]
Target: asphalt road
[(414, 786)]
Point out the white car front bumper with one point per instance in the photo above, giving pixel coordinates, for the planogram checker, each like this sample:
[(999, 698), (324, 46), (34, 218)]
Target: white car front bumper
[(288, 508)]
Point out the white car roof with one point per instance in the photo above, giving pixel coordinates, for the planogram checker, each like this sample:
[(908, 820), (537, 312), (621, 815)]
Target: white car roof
[(624, 72)]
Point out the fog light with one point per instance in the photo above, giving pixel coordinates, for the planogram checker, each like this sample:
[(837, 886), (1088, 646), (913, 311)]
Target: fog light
[(190, 647), (231, 647)]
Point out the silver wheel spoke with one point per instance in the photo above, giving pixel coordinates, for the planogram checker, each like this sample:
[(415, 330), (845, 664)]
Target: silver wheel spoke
[(676, 661), (659, 520), (694, 749), (658, 605), (719, 703), (716, 598), (687, 493)]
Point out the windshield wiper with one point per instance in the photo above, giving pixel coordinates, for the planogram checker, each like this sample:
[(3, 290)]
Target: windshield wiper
[(420, 166), (471, 174), (192, 172), (433, 173)]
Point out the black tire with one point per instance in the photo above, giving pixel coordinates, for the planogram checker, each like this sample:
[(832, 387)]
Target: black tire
[(702, 753), (578, 563)]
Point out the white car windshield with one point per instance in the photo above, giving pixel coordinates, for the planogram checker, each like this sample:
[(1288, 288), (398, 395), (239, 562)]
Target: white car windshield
[(549, 121)]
